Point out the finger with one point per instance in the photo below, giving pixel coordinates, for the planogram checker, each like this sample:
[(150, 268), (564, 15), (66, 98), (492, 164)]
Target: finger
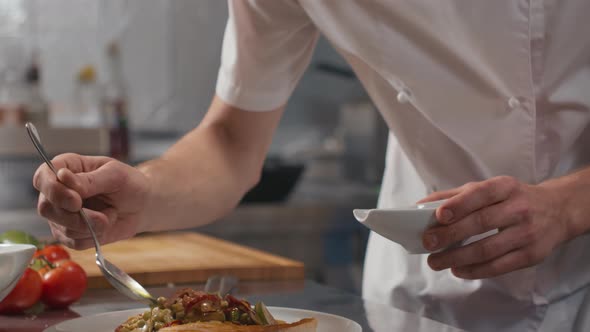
[(72, 222), (76, 181), (70, 233), (74, 162), (69, 220), (69, 179), (77, 244), (43, 172), (86, 242), (80, 239), (71, 161), (475, 196), (57, 193), (438, 195), (480, 251), (78, 163), (57, 231), (489, 218), (512, 261), (50, 211), (104, 180)]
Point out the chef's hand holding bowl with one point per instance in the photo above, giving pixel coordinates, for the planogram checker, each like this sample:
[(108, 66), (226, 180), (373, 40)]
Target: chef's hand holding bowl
[(531, 221)]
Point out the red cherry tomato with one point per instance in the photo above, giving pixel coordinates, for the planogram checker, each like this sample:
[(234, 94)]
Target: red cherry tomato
[(24, 295), (63, 285), (53, 253)]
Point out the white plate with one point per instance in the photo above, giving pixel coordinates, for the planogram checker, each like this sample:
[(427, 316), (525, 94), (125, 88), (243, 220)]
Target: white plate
[(107, 322)]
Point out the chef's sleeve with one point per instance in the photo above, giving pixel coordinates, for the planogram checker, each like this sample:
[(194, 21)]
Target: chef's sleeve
[(266, 48)]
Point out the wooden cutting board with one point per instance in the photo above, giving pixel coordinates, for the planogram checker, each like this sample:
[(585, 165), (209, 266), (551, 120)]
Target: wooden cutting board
[(186, 258)]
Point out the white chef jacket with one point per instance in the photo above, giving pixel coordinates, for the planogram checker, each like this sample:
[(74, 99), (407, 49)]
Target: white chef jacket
[(469, 90)]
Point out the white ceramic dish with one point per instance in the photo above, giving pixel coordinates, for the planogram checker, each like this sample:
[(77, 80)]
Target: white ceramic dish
[(107, 322), (14, 258), (403, 225)]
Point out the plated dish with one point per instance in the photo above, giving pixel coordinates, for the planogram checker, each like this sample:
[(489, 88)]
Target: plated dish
[(108, 322), (190, 310)]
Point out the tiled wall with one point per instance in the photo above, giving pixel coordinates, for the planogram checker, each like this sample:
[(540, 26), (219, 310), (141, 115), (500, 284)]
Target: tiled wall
[(170, 56), (73, 33)]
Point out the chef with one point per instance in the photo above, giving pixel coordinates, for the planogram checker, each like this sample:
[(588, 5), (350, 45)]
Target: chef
[(488, 105)]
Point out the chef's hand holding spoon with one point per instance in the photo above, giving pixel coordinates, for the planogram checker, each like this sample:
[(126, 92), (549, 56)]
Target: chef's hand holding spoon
[(113, 195)]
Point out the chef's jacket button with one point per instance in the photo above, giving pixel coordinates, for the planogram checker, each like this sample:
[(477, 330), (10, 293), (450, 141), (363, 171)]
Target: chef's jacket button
[(404, 96), (513, 102)]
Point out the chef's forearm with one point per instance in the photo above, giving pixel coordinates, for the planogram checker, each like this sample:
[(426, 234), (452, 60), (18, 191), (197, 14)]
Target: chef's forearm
[(205, 175), (572, 192), (193, 184)]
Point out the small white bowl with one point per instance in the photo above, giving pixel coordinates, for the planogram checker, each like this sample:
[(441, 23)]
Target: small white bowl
[(401, 225), (14, 259)]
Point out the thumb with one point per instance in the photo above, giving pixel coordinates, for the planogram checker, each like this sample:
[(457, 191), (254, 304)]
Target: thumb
[(106, 179)]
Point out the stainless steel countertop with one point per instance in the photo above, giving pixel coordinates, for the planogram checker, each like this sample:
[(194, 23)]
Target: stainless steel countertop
[(293, 294)]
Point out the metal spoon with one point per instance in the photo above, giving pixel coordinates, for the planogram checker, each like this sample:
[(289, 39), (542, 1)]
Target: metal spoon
[(119, 279), (221, 284)]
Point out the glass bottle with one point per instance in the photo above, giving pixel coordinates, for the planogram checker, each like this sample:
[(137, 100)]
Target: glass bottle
[(37, 110), (88, 99), (13, 99), (115, 105)]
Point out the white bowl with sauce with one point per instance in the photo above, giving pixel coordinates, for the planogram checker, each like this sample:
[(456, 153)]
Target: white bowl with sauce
[(14, 259), (403, 225)]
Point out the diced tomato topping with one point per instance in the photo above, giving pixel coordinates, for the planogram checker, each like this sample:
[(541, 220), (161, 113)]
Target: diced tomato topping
[(172, 323)]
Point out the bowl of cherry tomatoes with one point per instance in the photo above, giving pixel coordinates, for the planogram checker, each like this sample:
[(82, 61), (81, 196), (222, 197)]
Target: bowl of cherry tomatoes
[(46, 277)]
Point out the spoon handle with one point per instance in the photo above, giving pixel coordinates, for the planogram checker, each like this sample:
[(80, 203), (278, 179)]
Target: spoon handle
[(34, 135), (91, 229)]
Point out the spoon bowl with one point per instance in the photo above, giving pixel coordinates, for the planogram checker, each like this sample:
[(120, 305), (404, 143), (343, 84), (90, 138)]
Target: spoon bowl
[(115, 276)]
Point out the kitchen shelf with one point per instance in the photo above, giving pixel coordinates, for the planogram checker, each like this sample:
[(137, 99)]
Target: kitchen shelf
[(15, 143)]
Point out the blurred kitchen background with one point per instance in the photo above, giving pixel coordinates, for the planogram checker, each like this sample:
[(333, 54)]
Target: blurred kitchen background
[(127, 78)]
